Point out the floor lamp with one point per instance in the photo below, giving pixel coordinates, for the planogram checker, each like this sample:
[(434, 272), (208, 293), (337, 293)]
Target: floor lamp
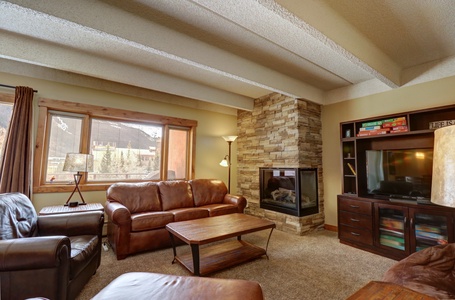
[(226, 162), (443, 177), (78, 162)]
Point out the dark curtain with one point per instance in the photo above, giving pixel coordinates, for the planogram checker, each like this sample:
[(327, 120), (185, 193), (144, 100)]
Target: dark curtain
[(16, 166)]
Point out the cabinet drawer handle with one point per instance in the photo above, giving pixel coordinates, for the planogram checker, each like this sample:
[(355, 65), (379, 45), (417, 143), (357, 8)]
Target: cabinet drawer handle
[(354, 206), (355, 233), (355, 220)]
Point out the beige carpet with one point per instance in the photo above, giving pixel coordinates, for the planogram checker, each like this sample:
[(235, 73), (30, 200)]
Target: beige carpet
[(314, 266)]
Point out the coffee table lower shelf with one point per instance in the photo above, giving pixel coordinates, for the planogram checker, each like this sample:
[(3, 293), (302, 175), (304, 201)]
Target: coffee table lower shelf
[(220, 256)]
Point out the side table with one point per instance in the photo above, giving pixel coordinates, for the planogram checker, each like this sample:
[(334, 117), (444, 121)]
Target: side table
[(60, 209)]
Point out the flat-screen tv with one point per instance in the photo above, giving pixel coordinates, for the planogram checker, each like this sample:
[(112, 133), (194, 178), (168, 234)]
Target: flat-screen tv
[(399, 174)]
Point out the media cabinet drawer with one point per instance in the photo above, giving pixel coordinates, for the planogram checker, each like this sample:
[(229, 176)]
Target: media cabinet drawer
[(356, 220), (356, 235), (356, 206)]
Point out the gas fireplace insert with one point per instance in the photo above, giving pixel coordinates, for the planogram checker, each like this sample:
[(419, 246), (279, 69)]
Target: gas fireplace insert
[(292, 191)]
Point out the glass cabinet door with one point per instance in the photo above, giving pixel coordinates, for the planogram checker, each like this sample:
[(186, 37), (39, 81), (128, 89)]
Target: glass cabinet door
[(392, 227), (429, 229)]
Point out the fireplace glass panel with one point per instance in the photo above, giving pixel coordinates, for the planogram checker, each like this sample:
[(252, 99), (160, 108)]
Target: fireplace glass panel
[(308, 189), (292, 191)]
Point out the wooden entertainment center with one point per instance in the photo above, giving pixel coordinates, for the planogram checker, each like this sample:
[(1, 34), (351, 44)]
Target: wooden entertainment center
[(394, 228)]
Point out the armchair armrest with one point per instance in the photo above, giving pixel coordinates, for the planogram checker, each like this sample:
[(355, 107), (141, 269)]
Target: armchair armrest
[(238, 201), (34, 253), (118, 213), (72, 224)]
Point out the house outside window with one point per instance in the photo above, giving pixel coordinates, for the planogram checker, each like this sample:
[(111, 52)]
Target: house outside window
[(126, 145)]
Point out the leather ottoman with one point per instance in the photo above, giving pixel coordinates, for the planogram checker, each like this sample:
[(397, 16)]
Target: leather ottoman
[(141, 285)]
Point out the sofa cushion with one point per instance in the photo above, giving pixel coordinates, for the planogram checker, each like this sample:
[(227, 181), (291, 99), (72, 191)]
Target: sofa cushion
[(151, 220), (220, 209), (82, 247), (137, 197), (184, 214), (175, 194), (208, 191)]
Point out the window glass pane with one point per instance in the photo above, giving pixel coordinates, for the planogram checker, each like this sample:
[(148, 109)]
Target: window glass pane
[(125, 150), (64, 137), (6, 109), (178, 154)]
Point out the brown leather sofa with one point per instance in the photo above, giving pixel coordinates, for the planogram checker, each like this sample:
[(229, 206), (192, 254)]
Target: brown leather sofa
[(50, 256), (150, 286), (138, 212), (430, 271)]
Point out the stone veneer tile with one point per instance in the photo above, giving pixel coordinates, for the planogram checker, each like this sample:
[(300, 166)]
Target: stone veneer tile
[(280, 131)]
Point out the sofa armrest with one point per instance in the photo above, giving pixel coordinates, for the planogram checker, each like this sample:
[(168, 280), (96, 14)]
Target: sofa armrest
[(34, 253), (72, 224), (118, 213), (238, 201)]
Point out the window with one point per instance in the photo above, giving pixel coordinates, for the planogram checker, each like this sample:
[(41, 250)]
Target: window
[(125, 150), (178, 156), (126, 145), (6, 110), (64, 137)]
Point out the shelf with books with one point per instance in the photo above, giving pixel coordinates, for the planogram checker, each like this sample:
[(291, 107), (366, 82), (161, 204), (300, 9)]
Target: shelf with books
[(383, 126), (394, 223), (430, 230), (402, 130), (392, 241), (392, 228)]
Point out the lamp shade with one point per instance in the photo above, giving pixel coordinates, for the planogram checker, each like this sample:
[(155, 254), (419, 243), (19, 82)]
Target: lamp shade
[(224, 163), (443, 177), (78, 162), (229, 138)]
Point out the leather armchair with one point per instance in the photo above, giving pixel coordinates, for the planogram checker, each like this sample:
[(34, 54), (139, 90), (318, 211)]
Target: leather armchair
[(50, 256)]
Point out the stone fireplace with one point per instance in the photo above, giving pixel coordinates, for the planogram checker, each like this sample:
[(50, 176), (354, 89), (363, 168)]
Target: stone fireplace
[(280, 132)]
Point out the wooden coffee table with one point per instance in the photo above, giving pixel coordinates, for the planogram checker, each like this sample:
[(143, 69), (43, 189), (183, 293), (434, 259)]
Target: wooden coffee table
[(212, 229), (387, 290)]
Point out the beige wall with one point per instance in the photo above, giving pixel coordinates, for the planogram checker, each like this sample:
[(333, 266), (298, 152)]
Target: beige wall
[(432, 94), (210, 147), (211, 125)]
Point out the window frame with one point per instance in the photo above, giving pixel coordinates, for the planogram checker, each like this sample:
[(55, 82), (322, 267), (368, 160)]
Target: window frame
[(8, 99), (48, 106)]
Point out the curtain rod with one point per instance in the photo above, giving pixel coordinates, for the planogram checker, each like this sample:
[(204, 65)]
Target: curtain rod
[(13, 87)]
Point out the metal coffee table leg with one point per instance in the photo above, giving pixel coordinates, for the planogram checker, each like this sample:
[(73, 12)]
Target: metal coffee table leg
[(195, 253)]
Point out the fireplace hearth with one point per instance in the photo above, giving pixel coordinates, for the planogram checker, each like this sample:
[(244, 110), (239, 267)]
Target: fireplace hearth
[(292, 191)]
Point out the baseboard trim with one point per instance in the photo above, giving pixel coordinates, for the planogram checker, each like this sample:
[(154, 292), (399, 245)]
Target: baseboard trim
[(331, 227)]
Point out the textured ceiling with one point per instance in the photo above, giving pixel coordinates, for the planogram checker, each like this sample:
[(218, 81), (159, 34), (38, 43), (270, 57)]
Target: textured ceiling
[(229, 52)]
